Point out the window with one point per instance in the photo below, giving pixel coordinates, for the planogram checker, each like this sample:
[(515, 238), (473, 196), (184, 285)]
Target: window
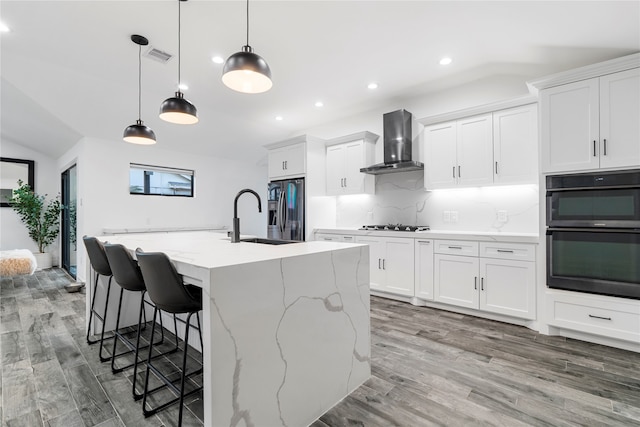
[(159, 180)]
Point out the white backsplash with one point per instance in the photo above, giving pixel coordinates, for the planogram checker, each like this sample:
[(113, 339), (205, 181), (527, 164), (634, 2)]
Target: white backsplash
[(401, 198)]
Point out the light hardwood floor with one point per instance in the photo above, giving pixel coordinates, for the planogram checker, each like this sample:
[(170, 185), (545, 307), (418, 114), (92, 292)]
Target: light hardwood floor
[(429, 367)]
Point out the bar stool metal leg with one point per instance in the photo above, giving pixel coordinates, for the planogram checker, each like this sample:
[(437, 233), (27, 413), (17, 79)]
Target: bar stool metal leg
[(167, 382)]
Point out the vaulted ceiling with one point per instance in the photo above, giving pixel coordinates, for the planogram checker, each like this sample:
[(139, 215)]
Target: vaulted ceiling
[(69, 69)]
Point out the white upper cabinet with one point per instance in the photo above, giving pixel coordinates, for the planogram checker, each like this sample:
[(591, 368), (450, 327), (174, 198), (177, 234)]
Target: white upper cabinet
[(440, 153), (499, 147), (515, 145), (287, 161), (459, 153), (620, 119), (345, 156), (475, 151), (592, 123)]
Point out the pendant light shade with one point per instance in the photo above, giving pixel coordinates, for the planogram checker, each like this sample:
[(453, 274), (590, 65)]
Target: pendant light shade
[(177, 109), (139, 133), (245, 71)]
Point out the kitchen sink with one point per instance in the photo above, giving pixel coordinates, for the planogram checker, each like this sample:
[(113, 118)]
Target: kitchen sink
[(268, 241)]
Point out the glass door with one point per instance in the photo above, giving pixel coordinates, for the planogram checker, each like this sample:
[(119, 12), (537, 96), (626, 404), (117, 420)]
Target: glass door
[(599, 261), (69, 220)]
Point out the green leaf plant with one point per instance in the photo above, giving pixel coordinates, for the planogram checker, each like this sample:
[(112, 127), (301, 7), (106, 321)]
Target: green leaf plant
[(42, 220)]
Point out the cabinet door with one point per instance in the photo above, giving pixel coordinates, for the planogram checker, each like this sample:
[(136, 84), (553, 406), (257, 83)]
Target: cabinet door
[(508, 287), (456, 280), (376, 255), (335, 170), (424, 269), (440, 156), (515, 145), (570, 127), (294, 161), (354, 160), (276, 163), (475, 151), (398, 266), (620, 119)]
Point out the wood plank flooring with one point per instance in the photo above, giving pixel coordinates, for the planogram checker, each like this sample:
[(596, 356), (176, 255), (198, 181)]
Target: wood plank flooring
[(429, 367), (433, 367)]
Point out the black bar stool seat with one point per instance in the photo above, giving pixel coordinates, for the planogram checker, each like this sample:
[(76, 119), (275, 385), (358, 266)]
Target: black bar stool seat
[(169, 293)]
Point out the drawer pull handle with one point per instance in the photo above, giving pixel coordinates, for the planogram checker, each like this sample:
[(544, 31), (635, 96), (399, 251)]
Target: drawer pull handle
[(455, 247), (505, 251), (599, 317), (424, 241)]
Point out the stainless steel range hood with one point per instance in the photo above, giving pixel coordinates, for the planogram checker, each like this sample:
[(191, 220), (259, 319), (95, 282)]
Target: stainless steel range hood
[(397, 145)]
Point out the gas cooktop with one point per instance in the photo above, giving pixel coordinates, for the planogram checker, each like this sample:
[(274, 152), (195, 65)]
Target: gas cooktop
[(395, 227)]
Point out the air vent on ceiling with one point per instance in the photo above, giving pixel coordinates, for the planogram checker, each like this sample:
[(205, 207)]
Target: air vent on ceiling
[(158, 55)]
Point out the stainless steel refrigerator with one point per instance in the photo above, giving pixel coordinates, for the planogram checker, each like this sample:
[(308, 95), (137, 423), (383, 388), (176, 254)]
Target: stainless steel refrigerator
[(286, 210)]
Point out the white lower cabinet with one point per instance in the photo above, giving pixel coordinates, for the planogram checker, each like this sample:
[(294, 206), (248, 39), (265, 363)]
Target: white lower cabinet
[(594, 314), (392, 264), (499, 283), (334, 238), (456, 280), (424, 269)]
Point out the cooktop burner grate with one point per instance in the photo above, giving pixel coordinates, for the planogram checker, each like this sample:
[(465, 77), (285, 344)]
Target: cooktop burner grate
[(395, 227)]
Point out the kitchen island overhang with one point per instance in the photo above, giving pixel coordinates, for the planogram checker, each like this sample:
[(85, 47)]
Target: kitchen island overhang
[(286, 328)]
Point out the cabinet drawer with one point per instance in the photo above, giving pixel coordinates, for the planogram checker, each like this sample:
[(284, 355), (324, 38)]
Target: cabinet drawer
[(456, 247), (621, 321), (519, 251)]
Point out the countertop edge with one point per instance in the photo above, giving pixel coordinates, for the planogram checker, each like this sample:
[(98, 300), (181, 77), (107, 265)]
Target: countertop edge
[(485, 236)]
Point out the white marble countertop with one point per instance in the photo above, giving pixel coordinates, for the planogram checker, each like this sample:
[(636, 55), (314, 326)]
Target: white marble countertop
[(209, 249), (486, 236)]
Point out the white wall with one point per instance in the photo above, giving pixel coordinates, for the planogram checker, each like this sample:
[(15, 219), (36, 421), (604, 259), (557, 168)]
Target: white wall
[(401, 198), (13, 233), (104, 200)]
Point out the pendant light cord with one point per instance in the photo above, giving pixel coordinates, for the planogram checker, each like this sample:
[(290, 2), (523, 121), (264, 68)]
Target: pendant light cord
[(247, 22), (179, 20), (139, 82)]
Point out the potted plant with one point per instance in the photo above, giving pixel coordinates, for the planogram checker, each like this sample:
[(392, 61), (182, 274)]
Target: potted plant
[(41, 219)]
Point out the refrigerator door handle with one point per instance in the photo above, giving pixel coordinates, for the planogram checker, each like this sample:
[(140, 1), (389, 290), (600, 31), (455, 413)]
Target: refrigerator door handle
[(282, 213)]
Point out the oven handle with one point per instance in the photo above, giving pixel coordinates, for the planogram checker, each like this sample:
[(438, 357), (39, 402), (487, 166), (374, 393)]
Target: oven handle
[(550, 230)]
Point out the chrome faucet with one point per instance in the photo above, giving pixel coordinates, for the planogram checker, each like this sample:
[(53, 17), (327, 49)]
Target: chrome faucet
[(235, 235)]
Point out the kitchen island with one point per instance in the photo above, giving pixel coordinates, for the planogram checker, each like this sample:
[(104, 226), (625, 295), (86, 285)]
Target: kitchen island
[(285, 327)]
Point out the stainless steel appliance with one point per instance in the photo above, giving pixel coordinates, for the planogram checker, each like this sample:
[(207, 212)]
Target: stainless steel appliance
[(286, 210), (398, 139), (593, 233), (395, 227)]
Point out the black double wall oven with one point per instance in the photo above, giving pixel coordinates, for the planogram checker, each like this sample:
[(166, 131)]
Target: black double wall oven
[(593, 233)]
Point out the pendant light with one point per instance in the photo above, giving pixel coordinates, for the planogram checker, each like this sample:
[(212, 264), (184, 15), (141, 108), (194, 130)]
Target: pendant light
[(139, 133), (246, 71), (177, 109)]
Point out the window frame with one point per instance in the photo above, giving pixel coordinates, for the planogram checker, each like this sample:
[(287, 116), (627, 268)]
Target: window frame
[(160, 169)]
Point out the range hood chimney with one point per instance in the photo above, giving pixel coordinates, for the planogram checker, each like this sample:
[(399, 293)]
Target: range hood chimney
[(397, 127)]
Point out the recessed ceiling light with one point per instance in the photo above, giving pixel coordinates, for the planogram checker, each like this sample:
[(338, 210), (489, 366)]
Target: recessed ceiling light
[(445, 61), (279, 118), (319, 104), (183, 86), (373, 86), (4, 28), (218, 59)]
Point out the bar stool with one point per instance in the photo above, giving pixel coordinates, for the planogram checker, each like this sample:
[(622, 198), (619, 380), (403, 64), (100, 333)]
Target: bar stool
[(128, 275), (100, 264), (169, 294)]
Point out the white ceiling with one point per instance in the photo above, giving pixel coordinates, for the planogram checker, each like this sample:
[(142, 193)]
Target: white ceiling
[(69, 69)]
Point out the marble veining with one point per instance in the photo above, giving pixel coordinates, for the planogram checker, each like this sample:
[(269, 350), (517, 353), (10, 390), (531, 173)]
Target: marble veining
[(401, 198)]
